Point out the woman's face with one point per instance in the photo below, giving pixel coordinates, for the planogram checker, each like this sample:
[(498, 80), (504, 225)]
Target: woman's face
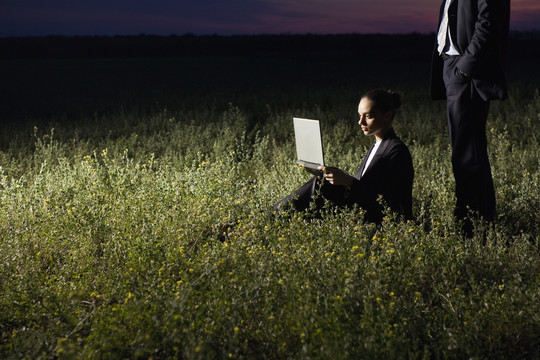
[(372, 120)]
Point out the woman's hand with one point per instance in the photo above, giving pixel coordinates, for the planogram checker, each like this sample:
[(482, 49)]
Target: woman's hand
[(336, 176)]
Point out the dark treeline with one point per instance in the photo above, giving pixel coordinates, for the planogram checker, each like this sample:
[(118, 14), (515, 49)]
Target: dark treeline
[(55, 77), (213, 45), (391, 47)]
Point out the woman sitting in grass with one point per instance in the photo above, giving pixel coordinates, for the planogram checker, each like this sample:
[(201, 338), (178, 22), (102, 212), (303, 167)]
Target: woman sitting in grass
[(386, 171)]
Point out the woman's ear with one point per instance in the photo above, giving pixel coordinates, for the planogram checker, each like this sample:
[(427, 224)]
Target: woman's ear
[(389, 115)]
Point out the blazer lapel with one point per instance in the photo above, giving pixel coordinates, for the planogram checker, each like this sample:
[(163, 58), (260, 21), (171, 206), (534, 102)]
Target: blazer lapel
[(360, 170), (380, 152)]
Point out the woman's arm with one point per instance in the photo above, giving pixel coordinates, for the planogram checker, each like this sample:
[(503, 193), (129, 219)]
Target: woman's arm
[(336, 176)]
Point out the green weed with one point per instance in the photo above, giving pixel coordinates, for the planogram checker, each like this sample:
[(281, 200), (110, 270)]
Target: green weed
[(112, 242)]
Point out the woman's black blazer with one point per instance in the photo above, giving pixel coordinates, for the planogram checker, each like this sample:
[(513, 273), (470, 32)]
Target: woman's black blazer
[(390, 176)]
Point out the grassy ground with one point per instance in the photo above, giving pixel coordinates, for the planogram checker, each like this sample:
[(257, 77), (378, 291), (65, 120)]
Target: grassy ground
[(109, 227)]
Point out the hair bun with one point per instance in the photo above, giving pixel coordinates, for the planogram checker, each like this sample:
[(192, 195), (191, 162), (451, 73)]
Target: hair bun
[(395, 99)]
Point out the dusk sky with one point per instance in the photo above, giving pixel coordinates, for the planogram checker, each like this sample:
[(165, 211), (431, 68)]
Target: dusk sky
[(232, 17)]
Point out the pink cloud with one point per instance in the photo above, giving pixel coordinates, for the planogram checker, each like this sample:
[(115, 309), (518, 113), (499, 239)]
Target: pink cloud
[(525, 15), (346, 16)]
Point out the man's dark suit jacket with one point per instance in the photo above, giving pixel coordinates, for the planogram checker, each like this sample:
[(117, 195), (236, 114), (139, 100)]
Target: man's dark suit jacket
[(479, 30), (390, 174)]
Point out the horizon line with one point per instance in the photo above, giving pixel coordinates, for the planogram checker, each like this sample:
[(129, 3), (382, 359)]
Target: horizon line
[(189, 34)]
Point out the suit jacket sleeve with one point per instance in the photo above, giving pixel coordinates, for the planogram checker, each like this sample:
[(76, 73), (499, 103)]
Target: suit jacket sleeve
[(480, 26)]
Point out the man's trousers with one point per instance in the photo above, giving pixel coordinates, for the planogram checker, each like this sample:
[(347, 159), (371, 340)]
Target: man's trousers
[(467, 115)]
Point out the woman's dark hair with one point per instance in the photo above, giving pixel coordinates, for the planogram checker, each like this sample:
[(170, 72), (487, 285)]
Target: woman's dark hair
[(384, 100)]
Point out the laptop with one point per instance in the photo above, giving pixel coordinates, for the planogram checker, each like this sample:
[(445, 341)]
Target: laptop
[(309, 149)]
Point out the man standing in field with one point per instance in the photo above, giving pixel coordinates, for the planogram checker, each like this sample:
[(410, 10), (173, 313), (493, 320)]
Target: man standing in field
[(468, 70)]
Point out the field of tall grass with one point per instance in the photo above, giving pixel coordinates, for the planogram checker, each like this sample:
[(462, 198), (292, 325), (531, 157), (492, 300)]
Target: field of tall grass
[(145, 230)]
